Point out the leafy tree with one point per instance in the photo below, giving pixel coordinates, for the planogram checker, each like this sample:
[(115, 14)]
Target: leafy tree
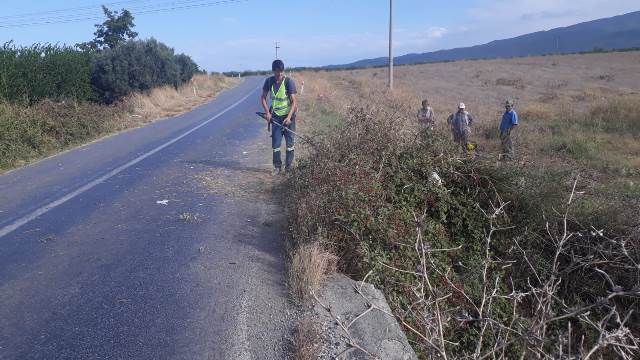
[(114, 31), (139, 65), (187, 66)]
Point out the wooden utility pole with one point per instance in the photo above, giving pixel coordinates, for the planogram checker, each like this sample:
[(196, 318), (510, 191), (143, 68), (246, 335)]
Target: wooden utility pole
[(391, 44)]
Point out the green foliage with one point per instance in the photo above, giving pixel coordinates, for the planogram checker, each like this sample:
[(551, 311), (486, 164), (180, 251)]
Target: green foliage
[(138, 65), (114, 31), (44, 71), (187, 67), (374, 192)]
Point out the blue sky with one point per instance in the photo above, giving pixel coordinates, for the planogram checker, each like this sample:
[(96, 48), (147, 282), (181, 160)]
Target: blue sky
[(314, 32)]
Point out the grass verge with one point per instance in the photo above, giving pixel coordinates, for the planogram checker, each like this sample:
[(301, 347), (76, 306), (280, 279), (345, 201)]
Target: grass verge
[(45, 128)]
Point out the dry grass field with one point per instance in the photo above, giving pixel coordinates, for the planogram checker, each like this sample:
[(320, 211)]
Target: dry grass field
[(580, 111), (167, 101)]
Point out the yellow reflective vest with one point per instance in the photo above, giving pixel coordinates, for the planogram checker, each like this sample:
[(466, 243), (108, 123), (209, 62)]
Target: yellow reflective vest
[(280, 101)]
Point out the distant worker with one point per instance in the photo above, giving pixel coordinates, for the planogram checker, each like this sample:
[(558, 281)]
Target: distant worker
[(282, 113), (508, 124), (460, 124), (426, 118)]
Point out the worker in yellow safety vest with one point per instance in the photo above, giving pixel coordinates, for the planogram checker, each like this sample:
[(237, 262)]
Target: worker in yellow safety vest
[(282, 112)]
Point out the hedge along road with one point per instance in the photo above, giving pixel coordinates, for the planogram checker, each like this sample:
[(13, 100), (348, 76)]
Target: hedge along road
[(114, 250)]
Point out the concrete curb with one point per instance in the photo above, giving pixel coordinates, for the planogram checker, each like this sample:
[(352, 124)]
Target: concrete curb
[(356, 323)]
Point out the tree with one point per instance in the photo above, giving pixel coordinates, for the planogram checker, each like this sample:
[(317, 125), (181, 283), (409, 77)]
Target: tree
[(114, 31), (187, 67), (138, 65)]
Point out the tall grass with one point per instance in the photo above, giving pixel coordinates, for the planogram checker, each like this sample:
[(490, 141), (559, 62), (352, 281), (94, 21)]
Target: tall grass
[(620, 115)]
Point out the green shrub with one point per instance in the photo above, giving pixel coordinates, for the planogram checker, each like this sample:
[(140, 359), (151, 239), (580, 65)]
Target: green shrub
[(55, 72), (187, 67), (138, 65)]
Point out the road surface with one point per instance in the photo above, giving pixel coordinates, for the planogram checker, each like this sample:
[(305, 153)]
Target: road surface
[(157, 243)]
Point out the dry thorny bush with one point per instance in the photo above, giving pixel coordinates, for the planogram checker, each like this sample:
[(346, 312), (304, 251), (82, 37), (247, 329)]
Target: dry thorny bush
[(540, 325), (473, 264)]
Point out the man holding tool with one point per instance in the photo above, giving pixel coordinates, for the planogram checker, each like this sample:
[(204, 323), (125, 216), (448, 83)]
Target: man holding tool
[(282, 113)]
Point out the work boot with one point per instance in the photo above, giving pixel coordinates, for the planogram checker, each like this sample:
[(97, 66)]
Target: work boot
[(276, 171)]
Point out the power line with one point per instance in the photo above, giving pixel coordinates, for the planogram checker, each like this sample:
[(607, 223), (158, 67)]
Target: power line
[(92, 12), (140, 10), (32, 14), (89, 11)]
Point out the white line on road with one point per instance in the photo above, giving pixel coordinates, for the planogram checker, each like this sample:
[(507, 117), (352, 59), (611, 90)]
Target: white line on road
[(27, 218)]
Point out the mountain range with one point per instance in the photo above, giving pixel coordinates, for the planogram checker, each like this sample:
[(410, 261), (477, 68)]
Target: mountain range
[(618, 32)]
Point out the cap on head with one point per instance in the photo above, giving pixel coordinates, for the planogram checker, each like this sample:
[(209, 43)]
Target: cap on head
[(508, 103), (277, 65), (461, 106)]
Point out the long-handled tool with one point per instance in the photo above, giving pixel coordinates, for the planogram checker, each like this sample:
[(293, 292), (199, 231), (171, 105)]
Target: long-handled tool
[(284, 128)]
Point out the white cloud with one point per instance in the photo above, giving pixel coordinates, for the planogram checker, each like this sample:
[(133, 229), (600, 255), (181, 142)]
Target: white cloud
[(549, 9), (257, 53), (500, 19), (543, 14), (437, 32)]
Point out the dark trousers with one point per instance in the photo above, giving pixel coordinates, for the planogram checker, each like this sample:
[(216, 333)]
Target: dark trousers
[(507, 144), (277, 133)]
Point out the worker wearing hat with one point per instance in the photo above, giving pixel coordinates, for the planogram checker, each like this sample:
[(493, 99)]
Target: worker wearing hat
[(426, 117), (282, 111), (460, 124), (507, 126)]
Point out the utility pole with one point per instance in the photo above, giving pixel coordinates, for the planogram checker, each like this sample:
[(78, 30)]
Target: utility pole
[(391, 44), (277, 47)]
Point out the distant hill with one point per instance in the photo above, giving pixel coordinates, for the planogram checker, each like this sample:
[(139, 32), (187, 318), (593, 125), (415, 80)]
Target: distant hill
[(618, 32)]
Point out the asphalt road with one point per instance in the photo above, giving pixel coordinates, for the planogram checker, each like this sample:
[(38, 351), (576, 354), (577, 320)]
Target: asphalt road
[(118, 250)]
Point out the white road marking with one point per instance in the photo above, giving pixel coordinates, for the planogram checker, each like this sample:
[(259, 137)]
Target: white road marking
[(43, 210)]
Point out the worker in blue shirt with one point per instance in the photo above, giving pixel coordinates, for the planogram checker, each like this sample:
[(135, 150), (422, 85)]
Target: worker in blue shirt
[(507, 126)]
